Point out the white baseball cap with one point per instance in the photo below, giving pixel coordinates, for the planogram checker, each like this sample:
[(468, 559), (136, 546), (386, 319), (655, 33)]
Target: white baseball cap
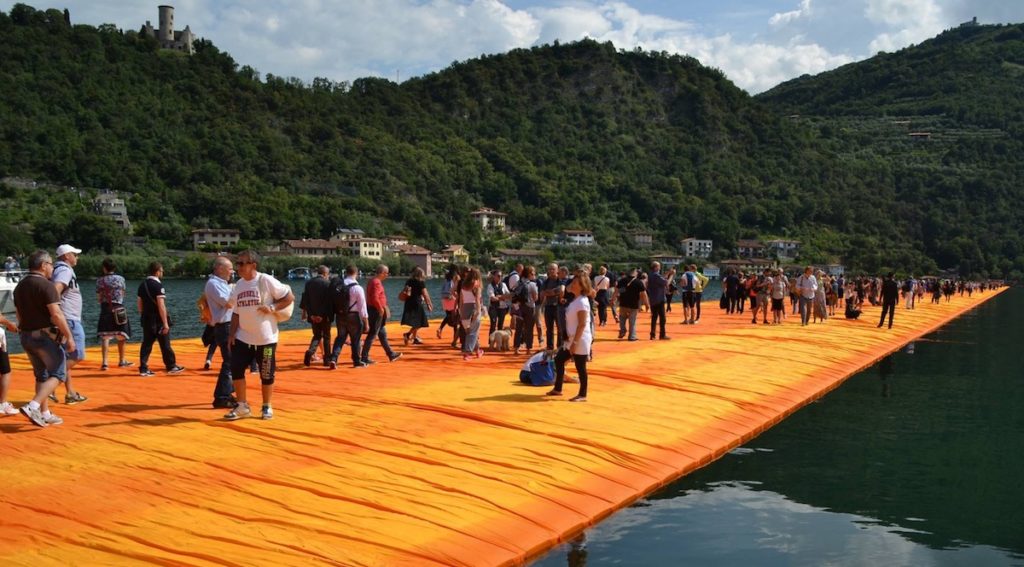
[(65, 248)]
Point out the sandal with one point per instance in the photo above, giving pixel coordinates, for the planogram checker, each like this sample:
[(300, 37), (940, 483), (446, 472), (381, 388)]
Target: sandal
[(554, 393), (405, 336)]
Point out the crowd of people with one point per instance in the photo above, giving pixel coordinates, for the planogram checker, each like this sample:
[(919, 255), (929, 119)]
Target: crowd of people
[(561, 311)]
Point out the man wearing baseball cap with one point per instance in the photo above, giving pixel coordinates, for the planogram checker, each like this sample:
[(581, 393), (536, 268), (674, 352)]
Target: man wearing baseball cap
[(66, 282)]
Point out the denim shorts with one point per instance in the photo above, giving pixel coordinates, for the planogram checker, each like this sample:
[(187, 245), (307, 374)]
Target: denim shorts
[(47, 357), (77, 333)]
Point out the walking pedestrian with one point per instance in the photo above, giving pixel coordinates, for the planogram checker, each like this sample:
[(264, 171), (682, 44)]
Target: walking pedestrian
[(351, 314), (114, 323), (417, 302), (66, 282), (318, 308), (378, 314), (156, 322), (806, 287), (657, 286), (890, 296), (217, 293)]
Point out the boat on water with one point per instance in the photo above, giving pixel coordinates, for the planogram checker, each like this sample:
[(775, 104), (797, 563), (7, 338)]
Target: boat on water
[(300, 274), (8, 280)]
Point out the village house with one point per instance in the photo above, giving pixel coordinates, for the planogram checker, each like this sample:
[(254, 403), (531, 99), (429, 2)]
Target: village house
[(783, 249), (750, 248), (220, 237), (696, 248), (489, 219), (110, 204), (575, 237), (419, 256)]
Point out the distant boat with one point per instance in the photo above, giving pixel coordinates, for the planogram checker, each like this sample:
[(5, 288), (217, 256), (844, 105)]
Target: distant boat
[(300, 274), (8, 280)]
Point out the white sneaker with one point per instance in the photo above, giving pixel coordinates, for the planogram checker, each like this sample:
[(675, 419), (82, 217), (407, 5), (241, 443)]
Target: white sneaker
[(267, 413), (7, 408), (240, 411), (33, 415), (52, 419)]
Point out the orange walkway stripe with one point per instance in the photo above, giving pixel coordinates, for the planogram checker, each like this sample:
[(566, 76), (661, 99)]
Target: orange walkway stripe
[(427, 461)]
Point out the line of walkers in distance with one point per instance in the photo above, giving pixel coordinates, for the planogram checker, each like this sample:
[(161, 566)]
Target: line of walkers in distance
[(242, 318)]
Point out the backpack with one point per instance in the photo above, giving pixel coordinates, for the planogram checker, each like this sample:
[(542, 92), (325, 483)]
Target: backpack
[(541, 373), (205, 315), (689, 281), (340, 296), (522, 292)]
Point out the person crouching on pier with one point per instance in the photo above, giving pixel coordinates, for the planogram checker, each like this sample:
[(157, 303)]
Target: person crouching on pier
[(580, 333)]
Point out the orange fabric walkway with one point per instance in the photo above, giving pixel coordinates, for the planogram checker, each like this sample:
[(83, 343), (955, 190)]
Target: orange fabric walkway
[(425, 461)]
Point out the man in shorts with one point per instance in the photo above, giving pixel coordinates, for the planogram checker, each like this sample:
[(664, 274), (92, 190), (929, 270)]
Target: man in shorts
[(254, 335), (66, 283), (43, 328)]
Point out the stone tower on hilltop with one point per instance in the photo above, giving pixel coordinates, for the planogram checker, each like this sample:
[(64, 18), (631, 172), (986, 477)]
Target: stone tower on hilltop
[(168, 38)]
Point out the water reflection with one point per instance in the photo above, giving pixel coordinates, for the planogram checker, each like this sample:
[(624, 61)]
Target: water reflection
[(925, 477)]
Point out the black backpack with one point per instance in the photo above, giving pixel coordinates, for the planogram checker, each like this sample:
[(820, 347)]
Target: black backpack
[(340, 295), (522, 292)]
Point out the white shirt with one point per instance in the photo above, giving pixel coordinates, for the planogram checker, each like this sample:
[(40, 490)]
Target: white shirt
[(602, 282), (356, 297), (497, 289), (580, 304), (806, 286), (255, 328), (513, 280)]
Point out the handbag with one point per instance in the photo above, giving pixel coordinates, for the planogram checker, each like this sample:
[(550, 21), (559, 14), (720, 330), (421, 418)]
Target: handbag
[(404, 294), (120, 315), (281, 315)]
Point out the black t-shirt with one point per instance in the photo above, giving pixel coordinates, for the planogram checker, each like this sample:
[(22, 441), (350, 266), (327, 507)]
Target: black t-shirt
[(149, 290), (630, 298), (31, 297)]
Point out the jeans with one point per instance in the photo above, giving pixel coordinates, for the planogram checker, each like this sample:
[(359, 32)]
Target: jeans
[(472, 342), (497, 316), (47, 357), (698, 297), (379, 330), (224, 388), (321, 336), (805, 309), (602, 306), (550, 322), (151, 334), (658, 318), (524, 330), (349, 325), (627, 314)]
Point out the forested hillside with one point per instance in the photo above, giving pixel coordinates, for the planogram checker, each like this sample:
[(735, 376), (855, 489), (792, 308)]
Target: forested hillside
[(572, 135)]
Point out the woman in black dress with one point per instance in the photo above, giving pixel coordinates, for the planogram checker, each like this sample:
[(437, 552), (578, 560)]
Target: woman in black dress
[(415, 312)]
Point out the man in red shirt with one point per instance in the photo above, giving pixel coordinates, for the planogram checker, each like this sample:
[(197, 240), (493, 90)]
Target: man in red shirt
[(378, 313)]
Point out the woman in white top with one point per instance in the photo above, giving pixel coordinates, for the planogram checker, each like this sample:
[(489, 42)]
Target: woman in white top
[(470, 313), (580, 333), (601, 284)]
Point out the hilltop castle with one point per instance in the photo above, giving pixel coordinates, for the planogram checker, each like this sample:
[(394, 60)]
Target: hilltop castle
[(168, 38)]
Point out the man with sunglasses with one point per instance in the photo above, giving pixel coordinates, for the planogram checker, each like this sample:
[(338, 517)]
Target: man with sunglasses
[(43, 328), (254, 335)]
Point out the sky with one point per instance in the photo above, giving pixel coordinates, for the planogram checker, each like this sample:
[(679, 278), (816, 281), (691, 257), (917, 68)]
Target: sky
[(757, 43)]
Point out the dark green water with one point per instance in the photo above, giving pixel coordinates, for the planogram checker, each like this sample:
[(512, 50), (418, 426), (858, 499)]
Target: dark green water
[(917, 460)]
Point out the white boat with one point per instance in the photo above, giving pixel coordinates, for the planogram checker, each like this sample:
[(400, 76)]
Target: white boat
[(8, 280)]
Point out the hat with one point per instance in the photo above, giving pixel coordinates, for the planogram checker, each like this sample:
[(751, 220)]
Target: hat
[(65, 248)]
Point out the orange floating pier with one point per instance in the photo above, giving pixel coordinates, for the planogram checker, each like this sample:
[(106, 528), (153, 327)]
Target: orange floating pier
[(426, 461)]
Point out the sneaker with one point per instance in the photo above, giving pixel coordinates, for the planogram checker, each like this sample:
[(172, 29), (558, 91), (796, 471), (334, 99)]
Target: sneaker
[(207, 364), (368, 362), (53, 419), (125, 364), (7, 408), (33, 415), (416, 341), (53, 396), (578, 399), (394, 357), (332, 365), (76, 398), (103, 367), (554, 393), (359, 364), (267, 412), (225, 403), (146, 373), (307, 359), (665, 338), (240, 411), (176, 370)]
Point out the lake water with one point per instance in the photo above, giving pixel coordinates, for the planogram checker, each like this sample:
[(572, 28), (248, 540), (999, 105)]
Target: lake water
[(914, 461)]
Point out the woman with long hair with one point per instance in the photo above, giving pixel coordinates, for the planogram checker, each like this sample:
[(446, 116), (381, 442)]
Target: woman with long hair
[(470, 312), (580, 337), (414, 313), (449, 303), (113, 322)]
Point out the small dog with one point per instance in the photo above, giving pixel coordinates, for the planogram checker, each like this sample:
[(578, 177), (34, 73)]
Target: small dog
[(500, 340)]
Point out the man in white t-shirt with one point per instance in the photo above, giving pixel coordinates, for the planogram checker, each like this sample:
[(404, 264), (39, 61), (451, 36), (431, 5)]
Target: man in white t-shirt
[(254, 334)]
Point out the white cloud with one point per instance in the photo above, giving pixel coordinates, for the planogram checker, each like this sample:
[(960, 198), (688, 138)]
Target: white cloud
[(783, 18), (909, 21)]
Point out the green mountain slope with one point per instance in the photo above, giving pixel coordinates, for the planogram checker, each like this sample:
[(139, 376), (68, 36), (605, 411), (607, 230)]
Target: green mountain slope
[(558, 136), (946, 117)]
